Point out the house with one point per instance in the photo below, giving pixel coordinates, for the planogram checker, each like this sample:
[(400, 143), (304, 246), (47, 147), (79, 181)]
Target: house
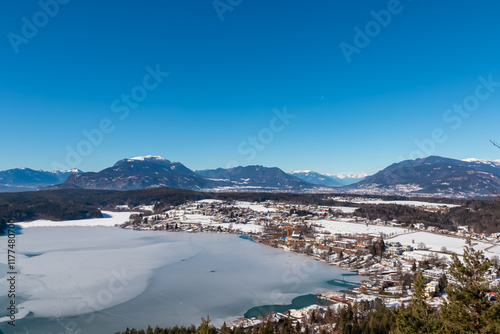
[(394, 251), (433, 274), (408, 248), (492, 296), (419, 226), (431, 288)]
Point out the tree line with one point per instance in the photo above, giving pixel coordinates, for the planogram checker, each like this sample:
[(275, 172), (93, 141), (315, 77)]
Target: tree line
[(68, 204), (480, 216)]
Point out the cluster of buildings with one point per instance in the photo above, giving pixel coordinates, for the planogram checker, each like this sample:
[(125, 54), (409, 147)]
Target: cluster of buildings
[(389, 266)]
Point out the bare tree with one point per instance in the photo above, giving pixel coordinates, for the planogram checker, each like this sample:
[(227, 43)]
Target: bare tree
[(495, 143)]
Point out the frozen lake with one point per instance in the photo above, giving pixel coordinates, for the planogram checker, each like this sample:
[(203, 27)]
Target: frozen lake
[(104, 279)]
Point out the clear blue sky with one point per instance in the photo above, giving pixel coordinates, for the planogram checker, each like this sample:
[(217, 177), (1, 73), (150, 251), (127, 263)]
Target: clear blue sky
[(227, 76)]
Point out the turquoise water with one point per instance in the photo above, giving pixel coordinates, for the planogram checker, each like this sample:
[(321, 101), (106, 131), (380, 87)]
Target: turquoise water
[(302, 301), (297, 303), (246, 237)]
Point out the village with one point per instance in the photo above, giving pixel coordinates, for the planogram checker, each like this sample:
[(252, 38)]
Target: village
[(385, 254)]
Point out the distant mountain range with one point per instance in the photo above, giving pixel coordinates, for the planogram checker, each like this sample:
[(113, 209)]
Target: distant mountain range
[(331, 180), (317, 178), (26, 179), (431, 177), (154, 171), (256, 178)]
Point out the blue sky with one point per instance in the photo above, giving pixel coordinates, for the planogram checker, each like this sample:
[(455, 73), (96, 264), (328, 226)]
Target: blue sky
[(228, 79)]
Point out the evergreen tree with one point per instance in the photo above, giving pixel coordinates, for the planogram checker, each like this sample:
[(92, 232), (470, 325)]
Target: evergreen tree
[(224, 329), (268, 328), (419, 318), (443, 282), (205, 327), (238, 330), (468, 309), (382, 247)]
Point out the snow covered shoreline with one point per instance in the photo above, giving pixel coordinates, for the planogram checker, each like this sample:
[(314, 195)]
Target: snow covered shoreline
[(110, 219)]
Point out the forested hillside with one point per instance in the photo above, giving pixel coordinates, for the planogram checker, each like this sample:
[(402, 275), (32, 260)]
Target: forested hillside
[(68, 204)]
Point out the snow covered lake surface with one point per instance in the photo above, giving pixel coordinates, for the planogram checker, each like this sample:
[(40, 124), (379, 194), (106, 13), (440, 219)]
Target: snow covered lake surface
[(103, 279)]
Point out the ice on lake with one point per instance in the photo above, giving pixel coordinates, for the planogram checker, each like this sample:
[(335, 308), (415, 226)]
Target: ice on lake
[(104, 279)]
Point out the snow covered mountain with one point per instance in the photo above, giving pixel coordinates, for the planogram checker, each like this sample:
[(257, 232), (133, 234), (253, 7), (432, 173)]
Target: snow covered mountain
[(493, 163), (153, 171), (138, 173), (331, 180), (434, 176), (318, 178), (350, 177), (27, 179), (431, 176), (256, 178)]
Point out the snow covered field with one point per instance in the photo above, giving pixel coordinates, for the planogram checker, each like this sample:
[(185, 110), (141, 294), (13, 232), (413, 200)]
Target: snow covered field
[(436, 242), (110, 219), (433, 242), (494, 250), (254, 207), (410, 203), (345, 227)]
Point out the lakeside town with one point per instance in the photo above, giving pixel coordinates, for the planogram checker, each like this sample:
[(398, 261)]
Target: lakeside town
[(385, 253)]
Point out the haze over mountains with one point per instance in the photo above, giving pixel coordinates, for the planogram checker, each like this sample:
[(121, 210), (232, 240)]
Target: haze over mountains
[(333, 180), (26, 179), (431, 176)]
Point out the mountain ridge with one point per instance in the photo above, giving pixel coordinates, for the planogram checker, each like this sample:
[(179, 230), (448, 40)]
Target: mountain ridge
[(431, 176), (137, 173), (256, 176)]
